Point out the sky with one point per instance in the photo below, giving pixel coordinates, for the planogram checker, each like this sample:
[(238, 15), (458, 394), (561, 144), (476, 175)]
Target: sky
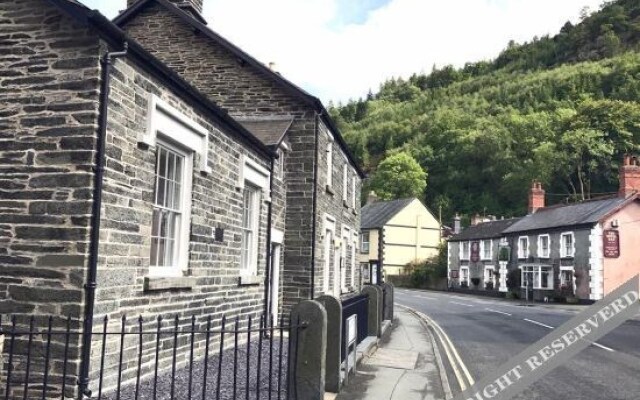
[(340, 49)]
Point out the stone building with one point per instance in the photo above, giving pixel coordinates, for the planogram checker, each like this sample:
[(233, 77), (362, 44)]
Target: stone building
[(580, 251), (321, 178), (181, 221)]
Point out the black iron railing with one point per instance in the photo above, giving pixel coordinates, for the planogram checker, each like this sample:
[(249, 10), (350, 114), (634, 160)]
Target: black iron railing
[(359, 306), (147, 358)]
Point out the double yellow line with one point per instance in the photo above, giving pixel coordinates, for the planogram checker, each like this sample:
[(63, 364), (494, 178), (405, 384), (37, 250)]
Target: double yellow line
[(459, 368)]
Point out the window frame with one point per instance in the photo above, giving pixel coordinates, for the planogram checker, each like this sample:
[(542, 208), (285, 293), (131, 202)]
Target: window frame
[(330, 162), (353, 191), (563, 247), (465, 245), (181, 256), (249, 265), (362, 242), (468, 277), (533, 269), (571, 269), (521, 254), (492, 269), (539, 250), (483, 249), (345, 184)]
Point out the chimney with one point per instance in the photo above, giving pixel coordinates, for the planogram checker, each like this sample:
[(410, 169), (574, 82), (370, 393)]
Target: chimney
[(629, 176), (372, 197), (191, 6), (476, 219), (456, 224), (536, 197)]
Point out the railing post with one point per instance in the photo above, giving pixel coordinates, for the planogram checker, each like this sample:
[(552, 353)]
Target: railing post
[(388, 298), (374, 314), (333, 307), (307, 351)]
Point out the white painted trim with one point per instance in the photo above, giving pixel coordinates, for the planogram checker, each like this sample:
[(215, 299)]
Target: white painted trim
[(461, 251), (183, 242), (482, 257), (596, 263), (493, 276), (563, 254), (277, 236), (573, 277), (539, 249), (464, 268), (255, 173), (503, 276), (329, 224), (329, 151), (520, 255), (162, 117)]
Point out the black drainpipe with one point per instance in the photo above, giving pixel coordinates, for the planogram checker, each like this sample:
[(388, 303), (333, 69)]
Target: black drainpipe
[(312, 285), (267, 278), (91, 284)]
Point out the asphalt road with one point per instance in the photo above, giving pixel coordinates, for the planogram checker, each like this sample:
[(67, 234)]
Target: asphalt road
[(488, 332)]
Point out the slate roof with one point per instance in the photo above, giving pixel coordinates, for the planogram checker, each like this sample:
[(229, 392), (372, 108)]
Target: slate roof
[(270, 130), (115, 37), (376, 215), (586, 213), (289, 86), (485, 230)]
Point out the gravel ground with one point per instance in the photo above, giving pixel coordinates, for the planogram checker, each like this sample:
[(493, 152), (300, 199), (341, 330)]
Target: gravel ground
[(181, 380)]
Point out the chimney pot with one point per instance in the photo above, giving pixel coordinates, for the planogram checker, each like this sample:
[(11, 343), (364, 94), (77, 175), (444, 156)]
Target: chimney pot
[(456, 224), (536, 197), (629, 176), (372, 197)]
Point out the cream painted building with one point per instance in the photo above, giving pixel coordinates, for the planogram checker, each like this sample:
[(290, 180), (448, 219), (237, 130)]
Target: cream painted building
[(395, 233)]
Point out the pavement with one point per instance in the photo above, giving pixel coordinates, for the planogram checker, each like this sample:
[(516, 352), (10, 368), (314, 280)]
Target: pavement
[(405, 365), (484, 333)]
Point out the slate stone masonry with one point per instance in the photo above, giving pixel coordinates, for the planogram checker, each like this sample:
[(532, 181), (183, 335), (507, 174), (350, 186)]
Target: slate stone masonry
[(246, 91)]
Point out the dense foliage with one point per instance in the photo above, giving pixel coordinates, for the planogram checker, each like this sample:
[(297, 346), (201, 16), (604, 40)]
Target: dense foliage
[(398, 176), (562, 110), (429, 273)]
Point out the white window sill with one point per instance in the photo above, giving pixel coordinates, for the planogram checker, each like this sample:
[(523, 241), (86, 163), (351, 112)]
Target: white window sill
[(155, 283), (249, 280)]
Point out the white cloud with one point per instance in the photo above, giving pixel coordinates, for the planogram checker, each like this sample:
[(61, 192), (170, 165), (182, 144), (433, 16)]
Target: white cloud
[(398, 39)]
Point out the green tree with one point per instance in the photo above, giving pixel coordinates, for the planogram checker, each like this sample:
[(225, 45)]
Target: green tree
[(399, 176)]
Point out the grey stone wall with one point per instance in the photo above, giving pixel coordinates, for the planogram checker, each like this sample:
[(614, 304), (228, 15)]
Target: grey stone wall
[(126, 225), (243, 90), (49, 83)]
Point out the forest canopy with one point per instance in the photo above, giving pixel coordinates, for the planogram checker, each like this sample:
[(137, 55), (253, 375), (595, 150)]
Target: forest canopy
[(560, 109)]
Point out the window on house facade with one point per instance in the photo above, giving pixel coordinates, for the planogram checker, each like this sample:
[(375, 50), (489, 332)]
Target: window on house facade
[(279, 167), (329, 163), (464, 275), (489, 274), (567, 245), (353, 192), (250, 221), (364, 242), (170, 218), (523, 247), (540, 277), (464, 250), (487, 249), (566, 278), (345, 183), (543, 246)]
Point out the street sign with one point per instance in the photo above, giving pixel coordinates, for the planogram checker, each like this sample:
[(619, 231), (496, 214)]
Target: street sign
[(611, 238)]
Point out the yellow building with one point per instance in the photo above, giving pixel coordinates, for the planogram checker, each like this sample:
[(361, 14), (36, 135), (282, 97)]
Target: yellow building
[(395, 233)]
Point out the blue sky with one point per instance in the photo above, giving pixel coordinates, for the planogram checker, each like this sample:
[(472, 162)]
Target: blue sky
[(340, 49)]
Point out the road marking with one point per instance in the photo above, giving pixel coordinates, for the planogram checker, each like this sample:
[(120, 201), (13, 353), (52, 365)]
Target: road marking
[(428, 298), (461, 304), (539, 323), (499, 312), (449, 348), (603, 347)]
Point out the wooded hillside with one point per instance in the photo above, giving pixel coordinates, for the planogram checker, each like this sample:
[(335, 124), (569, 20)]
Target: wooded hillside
[(560, 109)]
